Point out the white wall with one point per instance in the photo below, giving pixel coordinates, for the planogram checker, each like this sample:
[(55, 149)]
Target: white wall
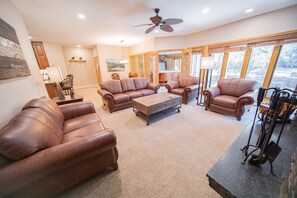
[(55, 56), (84, 74), (173, 42), (17, 91), (105, 52), (269, 23), (146, 46)]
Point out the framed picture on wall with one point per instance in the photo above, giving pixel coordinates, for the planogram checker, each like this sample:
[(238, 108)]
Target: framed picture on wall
[(114, 65), (12, 60)]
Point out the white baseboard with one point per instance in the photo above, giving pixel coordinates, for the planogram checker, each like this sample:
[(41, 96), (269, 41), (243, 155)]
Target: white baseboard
[(86, 86)]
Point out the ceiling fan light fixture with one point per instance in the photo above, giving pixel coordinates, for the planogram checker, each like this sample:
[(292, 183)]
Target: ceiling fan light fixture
[(156, 31), (123, 60), (205, 10)]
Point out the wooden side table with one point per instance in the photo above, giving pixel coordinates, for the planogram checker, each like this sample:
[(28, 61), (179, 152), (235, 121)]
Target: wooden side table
[(70, 99)]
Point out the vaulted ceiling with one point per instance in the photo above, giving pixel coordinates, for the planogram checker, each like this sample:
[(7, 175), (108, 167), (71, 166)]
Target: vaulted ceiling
[(110, 21)]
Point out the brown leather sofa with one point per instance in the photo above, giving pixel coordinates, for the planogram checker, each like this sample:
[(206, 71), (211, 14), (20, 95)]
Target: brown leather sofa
[(46, 149), (231, 96), (187, 87), (118, 94)]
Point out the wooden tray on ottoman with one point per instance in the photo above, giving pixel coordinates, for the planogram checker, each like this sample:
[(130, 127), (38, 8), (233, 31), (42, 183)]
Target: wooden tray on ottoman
[(147, 106)]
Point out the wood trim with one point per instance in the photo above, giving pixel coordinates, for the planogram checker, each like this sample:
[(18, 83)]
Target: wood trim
[(189, 61), (245, 63), (271, 66), (258, 39), (170, 50), (252, 40), (224, 65), (157, 68)]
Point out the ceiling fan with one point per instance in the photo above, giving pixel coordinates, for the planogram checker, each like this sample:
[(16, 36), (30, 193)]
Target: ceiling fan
[(157, 20)]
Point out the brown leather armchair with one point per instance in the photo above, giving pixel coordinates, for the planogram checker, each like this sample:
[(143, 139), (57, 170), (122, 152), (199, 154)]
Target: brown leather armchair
[(187, 87), (231, 96)]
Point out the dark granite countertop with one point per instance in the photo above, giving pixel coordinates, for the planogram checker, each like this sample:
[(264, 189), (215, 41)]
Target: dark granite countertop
[(230, 178)]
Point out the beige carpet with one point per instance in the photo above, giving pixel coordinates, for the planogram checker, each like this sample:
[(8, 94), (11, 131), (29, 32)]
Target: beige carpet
[(169, 158)]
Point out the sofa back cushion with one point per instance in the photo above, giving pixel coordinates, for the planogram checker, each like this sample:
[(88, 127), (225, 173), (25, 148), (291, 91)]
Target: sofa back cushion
[(140, 83), (28, 132), (112, 86), (127, 84), (235, 86), (185, 81), (49, 106)]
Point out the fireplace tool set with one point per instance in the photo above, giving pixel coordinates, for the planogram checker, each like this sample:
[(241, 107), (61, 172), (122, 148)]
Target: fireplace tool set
[(281, 104)]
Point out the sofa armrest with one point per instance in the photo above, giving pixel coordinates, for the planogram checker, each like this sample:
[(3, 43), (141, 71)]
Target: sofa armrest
[(49, 161), (172, 85), (153, 87), (77, 109), (191, 88), (247, 98), (209, 94), (105, 94)]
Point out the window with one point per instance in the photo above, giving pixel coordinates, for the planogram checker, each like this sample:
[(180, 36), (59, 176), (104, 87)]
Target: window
[(285, 71), (258, 64), (234, 64), (216, 72), (177, 63), (195, 65)]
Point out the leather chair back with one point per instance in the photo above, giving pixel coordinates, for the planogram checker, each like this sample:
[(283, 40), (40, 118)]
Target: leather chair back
[(127, 84), (235, 86), (185, 81), (49, 106), (112, 86), (140, 83)]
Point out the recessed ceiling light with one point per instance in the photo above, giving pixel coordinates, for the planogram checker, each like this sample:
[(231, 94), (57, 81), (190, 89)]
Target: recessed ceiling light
[(81, 16), (78, 46), (205, 10), (249, 10), (29, 37), (156, 31)]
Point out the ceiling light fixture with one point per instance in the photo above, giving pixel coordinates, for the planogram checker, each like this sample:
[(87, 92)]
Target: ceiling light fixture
[(205, 10), (29, 37), (156, 31), (123, 59), (249, 10), (81, 16)]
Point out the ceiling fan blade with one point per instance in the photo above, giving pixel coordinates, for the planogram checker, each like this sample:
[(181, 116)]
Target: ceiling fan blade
[(150, 29), (166, 28), (172, 21), (143, 25)]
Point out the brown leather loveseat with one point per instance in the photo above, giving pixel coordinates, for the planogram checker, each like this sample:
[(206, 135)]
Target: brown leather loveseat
[(46, 149), (187, 87), (232, 96), (118, 94)]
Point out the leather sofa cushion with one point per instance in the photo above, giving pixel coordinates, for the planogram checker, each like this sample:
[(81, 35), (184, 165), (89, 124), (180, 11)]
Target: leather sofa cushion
[(91, 128), (140, 83), (49, 106), (134, 94), (127, 84), (28, 132), (178, 91), (236, 86), (185, 81), (112, 86), (121, 98), (146, 92), (225, 101), (78, 122)]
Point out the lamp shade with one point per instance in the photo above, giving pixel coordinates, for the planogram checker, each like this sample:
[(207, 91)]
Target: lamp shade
[(207, 63)]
